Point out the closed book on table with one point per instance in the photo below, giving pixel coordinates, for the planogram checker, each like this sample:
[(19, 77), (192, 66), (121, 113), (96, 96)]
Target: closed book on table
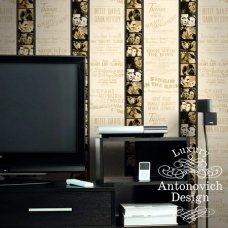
[(131, 221), (152, 209)]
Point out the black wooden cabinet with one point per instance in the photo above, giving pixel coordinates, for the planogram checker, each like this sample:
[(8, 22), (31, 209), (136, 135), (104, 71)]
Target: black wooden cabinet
[(56, 206)]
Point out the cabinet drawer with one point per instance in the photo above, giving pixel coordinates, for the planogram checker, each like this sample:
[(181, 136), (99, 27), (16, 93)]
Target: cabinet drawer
[(56, 208)]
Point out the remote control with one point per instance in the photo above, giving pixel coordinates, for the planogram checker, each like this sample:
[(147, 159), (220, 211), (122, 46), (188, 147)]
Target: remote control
[(80, 183)]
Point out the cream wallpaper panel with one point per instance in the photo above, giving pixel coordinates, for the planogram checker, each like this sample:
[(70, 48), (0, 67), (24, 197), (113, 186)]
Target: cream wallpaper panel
[(161, 64), (8, 27), (213, 84), (53, 26), (106, 63)]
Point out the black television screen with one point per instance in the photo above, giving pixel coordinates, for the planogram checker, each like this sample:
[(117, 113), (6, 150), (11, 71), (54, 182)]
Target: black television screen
[(41, 113)]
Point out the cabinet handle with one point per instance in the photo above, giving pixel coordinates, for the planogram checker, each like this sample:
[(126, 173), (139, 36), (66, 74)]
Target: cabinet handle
[(49, 209)]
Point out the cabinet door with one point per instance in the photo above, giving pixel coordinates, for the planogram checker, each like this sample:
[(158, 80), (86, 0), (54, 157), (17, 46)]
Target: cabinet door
[(56, 208)]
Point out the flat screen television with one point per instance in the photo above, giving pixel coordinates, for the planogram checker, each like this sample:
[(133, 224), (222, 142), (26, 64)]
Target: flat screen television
[(41, 114)]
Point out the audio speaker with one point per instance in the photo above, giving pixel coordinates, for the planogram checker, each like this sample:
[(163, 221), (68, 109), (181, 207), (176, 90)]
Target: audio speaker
[(210, 118), (204, 105)]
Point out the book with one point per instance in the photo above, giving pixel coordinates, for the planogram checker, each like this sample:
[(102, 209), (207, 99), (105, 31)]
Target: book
[(152, 209), (131, 221)]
